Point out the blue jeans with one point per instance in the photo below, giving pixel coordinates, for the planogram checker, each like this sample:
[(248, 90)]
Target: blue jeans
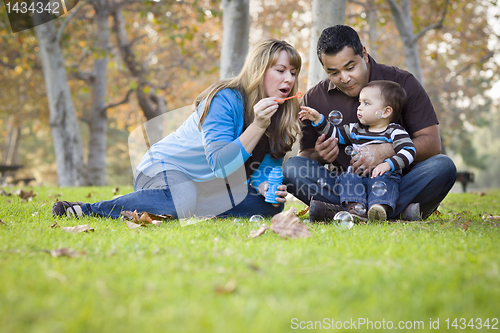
[(351, 187), (173, 193), (427, 183)]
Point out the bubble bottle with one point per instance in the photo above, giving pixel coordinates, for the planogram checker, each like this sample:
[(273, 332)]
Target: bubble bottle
[(275, 179)]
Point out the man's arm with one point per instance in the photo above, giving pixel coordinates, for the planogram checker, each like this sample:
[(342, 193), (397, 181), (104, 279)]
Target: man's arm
[(427, 143)]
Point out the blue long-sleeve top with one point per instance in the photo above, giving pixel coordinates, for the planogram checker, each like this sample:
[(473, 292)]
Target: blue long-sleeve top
[(213, 152)]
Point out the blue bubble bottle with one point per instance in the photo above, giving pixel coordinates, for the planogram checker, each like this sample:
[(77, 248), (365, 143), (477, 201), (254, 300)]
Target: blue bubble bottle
[(275, 179)]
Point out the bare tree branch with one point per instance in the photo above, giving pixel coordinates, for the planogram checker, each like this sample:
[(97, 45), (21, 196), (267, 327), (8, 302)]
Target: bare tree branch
[(435, 25), (68, 18), (123, 101)]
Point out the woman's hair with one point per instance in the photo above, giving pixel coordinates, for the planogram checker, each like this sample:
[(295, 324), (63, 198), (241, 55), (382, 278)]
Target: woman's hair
[(250, 83)]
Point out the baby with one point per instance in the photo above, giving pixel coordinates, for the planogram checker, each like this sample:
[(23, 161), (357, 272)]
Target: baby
[(381, 103)]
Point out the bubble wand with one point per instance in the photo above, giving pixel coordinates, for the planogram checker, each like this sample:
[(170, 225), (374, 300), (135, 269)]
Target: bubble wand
[(298, 95)]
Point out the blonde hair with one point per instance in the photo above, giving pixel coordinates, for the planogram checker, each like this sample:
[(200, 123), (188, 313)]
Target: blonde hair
[(250, 83)]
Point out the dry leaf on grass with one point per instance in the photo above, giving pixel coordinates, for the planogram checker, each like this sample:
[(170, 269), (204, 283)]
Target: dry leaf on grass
[(228, 288), (133, 225), (490, 217), (25, 195), (466, 225), (54, 225), (2, 222), (5, 193), (78, 228), (145, 217), (302, 212), (115, 190), (258, 232), (65, 252), (287, 224)]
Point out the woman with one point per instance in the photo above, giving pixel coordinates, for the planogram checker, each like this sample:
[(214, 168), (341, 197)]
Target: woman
[(217, 162)]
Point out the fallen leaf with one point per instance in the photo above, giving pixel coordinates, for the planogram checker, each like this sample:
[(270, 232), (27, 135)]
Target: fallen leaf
[(258, 232), (54, 225), (2, 222), (254, 267), (466, 225), (145, 216), (5, 193), (78, 228), (65, 251), (481, 194), (133, 225), (228, 288), (286, 224), (115, 190), (303, 211), (28, 196), (89, 195), (157, 222)]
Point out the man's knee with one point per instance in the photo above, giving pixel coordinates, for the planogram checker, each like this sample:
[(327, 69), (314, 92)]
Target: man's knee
[(444, 166)]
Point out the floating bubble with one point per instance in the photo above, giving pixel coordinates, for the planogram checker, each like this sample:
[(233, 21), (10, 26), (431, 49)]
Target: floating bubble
[(237, 220), (349, 150), (343, 220), (379, 114), (335, 117), (256, 219), (359, 209), (321, 182), (379, 188)]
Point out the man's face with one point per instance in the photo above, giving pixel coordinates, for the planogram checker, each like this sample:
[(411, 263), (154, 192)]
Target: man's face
[(348, 71)]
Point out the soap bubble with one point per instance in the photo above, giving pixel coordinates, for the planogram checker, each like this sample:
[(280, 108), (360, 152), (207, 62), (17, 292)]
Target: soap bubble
[(359, 209), (335, 117), (349, 150), (379, 188), (322, 182), (237, 220), (256, 219), (379, 114), (343, 220)]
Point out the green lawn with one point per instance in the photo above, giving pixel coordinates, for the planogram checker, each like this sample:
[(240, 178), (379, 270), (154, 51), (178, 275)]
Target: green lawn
[(210, 277)]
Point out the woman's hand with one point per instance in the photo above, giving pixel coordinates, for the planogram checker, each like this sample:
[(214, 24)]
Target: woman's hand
[(281, 193), (263, 111)]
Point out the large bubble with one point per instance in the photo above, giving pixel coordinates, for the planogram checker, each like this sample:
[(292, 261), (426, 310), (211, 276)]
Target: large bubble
[(343, 220), (379, 188), (335, 117)]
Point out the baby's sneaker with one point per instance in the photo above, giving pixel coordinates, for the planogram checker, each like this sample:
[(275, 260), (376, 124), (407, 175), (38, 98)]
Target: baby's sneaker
[(377, 213)]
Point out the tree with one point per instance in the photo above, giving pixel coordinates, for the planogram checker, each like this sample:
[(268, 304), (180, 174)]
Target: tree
[(63, 122), (236, 28)]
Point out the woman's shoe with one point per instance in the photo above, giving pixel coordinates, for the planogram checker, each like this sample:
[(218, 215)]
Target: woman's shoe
[(69, 209)]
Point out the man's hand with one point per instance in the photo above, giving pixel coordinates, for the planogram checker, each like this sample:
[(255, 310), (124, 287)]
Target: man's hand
[(370, 157), (326, 150)]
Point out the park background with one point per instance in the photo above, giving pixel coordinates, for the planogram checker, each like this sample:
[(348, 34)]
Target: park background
[(129, 61)]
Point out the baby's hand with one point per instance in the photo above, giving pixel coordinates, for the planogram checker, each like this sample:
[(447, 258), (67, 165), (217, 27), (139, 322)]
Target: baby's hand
[(381, 169), (309, 113)]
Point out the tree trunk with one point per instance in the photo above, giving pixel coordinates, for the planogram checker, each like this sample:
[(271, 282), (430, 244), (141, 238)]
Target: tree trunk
[(63, 121), (325, 13), (402, 17), (236, 22), (151, 104), (98, 118)]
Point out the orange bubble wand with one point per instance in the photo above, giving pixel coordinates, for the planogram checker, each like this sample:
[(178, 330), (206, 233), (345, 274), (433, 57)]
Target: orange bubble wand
[(298, 95)]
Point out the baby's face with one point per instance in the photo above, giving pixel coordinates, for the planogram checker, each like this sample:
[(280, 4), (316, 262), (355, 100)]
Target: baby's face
[(370, 101)]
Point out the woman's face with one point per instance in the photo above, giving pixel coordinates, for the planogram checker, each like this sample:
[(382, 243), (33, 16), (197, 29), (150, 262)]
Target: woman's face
[(279, 79)]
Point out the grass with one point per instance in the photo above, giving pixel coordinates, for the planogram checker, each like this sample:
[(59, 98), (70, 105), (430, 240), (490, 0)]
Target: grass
[(211, 277)]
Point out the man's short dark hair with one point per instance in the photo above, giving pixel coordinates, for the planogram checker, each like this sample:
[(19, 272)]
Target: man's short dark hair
[(393, 94), (334, 39)]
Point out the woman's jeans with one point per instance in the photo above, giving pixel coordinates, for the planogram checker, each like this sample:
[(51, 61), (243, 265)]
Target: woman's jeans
[(174, 193), (427, 183), (382, 190)]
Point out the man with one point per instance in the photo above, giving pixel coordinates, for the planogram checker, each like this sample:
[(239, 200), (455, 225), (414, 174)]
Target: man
[(349, 69)]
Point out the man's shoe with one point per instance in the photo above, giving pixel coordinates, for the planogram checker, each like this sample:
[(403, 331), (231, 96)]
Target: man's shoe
[(322, 211), (377, 213), (69, 209), (411, 213)]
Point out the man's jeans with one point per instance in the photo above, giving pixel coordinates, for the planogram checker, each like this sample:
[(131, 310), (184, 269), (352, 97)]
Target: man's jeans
[(173, 193), (382, 190), (427, 183)]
